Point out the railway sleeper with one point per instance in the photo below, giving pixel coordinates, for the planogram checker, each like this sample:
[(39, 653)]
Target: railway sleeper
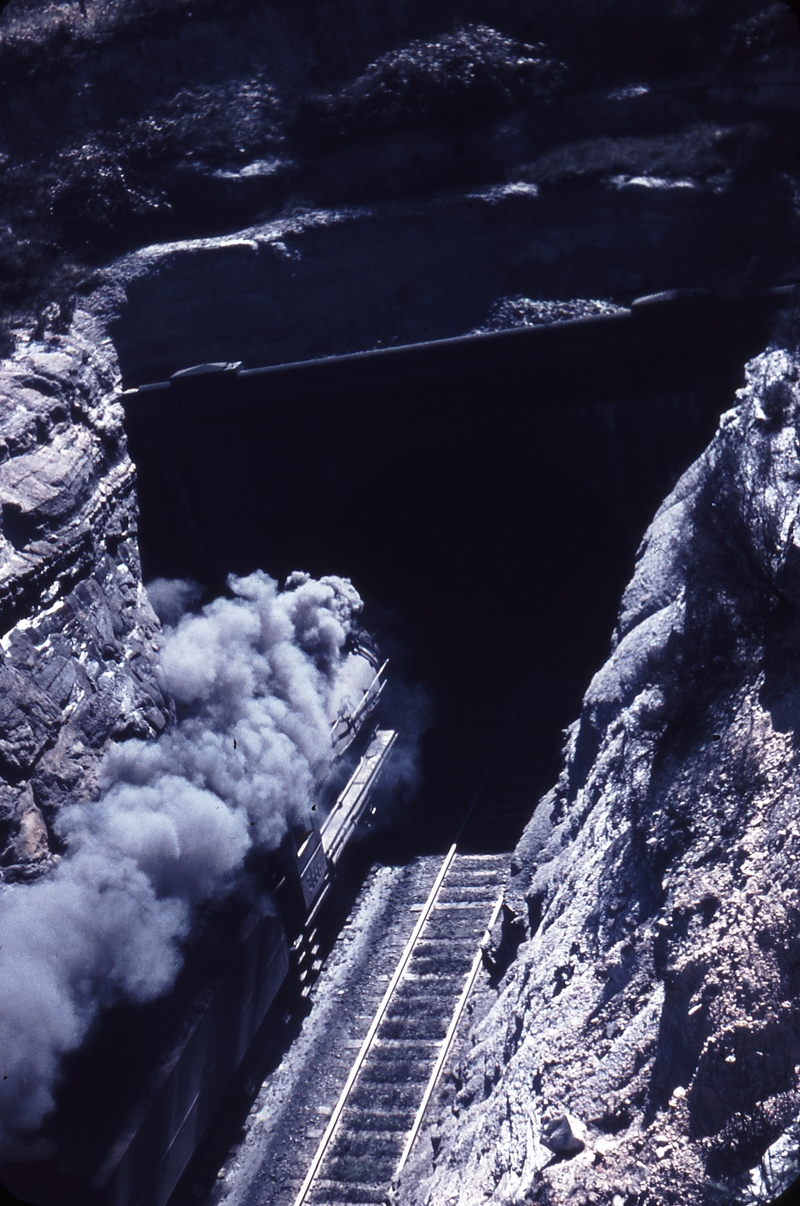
[(412, 1001), (429, 980), (422, 1005), (469, 874), (334, 1193), (384, 1097), (409, 1027), (414, 990), (473, 903), (488, 838), (441, 965), (364, 1169), (463, 923), (474, 862), (334, 1198), (417, 998), (395, 1071), (447, 961), (339, 1200), (433, 946), (413, 1023), (464, 937), (389, 1050), (468, 893), (372, 1144), (479, 882), (392, 1122)]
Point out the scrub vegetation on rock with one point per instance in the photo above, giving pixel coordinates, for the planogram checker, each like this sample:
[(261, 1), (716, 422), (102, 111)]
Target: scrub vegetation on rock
[(143, 122)]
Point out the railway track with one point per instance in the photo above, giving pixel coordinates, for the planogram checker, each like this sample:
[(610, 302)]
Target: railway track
[(381, 1108), (380, 1052), (373, 1127)]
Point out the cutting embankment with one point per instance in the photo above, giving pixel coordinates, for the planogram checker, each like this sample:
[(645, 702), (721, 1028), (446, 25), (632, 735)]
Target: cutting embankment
[(645, 1044)]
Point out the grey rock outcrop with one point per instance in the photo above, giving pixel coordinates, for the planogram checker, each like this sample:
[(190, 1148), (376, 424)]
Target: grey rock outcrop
[(578, 154), (79, 638), (655, 998)]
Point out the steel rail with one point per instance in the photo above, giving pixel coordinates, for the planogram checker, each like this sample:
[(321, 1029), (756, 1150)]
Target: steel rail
[(447, 1042), (408, 950)]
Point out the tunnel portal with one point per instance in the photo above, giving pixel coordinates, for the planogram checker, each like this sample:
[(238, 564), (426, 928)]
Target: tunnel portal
[(486, 495)]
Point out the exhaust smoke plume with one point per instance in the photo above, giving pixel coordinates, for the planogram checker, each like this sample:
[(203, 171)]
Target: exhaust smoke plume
[(256, 680)]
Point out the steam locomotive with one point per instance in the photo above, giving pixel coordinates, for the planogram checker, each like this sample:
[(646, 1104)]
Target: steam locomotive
[(139, 1099)]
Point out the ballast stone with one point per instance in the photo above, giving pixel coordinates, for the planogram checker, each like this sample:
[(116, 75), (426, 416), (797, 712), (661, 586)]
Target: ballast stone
[(656, 994)]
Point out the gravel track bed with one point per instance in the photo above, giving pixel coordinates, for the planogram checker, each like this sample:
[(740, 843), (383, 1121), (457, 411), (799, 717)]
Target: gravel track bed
[(295, 1102)]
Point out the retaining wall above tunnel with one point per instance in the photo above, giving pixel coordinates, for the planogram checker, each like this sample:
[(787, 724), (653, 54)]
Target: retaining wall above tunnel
[(229, 462)]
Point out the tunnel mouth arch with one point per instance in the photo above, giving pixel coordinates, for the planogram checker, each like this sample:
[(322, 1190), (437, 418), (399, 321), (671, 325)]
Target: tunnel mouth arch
[(486, 494)]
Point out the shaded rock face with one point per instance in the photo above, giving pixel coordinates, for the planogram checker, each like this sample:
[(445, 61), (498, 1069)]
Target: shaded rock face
[(654, 999), (79, 641), (579, 153)]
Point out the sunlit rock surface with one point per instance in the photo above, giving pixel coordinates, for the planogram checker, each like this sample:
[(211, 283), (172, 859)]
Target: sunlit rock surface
[(79, 636), (654, 998)]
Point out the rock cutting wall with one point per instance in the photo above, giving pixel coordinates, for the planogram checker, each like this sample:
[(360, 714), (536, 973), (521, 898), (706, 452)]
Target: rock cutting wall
[(78, 665), (361, 156), (645, 1044), (396, 176)]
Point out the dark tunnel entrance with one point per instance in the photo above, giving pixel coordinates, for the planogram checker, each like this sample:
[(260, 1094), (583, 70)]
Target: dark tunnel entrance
[(485, 495), (482, 569)]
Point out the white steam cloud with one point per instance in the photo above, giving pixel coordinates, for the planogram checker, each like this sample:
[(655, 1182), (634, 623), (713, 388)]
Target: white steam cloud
[(266, 670)]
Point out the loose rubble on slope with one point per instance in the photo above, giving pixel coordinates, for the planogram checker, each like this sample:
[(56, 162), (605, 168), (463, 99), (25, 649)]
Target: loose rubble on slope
[(645, 1044)]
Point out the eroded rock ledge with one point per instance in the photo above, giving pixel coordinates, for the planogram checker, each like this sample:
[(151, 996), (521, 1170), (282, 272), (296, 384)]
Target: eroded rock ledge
[(654, 1001), (77, 655)]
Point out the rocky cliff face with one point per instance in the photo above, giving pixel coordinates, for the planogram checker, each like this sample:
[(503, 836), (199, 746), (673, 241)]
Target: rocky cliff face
[(645, 1044), (79, 638)]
